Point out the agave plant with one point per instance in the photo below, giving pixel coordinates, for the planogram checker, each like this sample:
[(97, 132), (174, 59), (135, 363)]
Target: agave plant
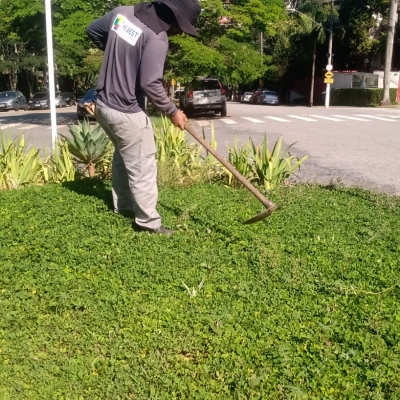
[(172, 145), (59, 166), (88, 145), (238, 156), (273, 168), (18, 165)]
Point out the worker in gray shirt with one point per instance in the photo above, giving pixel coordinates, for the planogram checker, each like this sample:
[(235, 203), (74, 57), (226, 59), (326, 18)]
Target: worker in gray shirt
[(135, 44)]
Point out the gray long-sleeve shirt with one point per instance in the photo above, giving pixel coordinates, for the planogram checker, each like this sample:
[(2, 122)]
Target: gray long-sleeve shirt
[(134, 57)]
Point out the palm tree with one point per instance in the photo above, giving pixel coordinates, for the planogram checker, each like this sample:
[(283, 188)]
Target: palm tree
[(313, 14)]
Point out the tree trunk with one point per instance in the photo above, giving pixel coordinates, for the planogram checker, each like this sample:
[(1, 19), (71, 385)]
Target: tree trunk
[(313, 72), (13, 79), (30, 75), (389, 52)]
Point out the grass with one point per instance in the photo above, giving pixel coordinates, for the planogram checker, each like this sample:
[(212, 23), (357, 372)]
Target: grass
[(304, 305)]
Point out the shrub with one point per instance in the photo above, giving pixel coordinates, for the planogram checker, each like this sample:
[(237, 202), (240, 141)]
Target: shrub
[(18, 165), (262, 166), (360, 97), (58, 166)]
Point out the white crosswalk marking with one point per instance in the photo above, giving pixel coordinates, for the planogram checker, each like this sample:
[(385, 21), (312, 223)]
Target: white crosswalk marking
[(25, 128), (228, 121), (8, 126), (278, 119), (302, 118), (328, 118), (375, 117), (203, 123), (256, 121), (352, 118)]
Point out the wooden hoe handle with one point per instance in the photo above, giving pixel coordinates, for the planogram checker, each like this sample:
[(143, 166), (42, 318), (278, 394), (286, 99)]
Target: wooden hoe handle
[(267, 203)]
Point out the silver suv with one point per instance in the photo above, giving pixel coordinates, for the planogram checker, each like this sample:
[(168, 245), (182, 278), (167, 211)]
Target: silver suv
[(204, 95)]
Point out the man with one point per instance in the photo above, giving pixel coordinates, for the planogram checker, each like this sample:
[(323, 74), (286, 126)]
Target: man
[(135, 45)]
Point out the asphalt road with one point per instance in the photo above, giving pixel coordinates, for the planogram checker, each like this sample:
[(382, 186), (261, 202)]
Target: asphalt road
[(357, 146)]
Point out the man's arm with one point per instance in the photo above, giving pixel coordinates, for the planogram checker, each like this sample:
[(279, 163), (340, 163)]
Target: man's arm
[(98, 30), (151, 73)]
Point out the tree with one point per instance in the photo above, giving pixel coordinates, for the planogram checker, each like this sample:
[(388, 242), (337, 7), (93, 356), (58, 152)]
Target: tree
[(363, 23), (316, 13), (21, 39)]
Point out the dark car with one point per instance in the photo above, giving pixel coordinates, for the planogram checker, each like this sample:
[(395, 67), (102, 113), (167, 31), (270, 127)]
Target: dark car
[(205, 95), (39, 101), (89, 96), (254, 97), (69, 98), (13, 100)]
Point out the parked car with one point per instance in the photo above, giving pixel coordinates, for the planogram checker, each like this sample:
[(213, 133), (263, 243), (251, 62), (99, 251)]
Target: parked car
[(246, 96), (13, 100), (69, 98), (89, 96), (39, 101), (205, 95), (268, 97)]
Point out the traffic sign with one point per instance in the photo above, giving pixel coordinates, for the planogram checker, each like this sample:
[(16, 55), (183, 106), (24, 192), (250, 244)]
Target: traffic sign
[(328, 80), (173, 82), (329, 67), (329, 75)]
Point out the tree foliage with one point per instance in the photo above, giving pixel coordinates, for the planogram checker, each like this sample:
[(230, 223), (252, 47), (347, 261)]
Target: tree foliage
[(233, 50)]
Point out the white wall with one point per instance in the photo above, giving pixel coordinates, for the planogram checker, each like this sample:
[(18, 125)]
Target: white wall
[(344, 80)]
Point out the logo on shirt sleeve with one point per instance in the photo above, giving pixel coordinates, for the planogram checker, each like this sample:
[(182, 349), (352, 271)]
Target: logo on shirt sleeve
[(126, 30)]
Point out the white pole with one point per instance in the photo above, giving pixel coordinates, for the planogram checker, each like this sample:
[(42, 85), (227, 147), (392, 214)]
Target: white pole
[(50, 57), (327, 95), (328, 85)]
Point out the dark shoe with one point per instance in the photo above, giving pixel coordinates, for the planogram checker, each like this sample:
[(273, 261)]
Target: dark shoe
[(162, 230)]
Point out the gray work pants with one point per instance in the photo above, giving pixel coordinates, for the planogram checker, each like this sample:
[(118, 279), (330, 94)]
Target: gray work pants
[(134, 169)]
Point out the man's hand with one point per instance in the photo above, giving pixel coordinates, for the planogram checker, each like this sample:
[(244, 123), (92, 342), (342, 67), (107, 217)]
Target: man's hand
[(179, 120)]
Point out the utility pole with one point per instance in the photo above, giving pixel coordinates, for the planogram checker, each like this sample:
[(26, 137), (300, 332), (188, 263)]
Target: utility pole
[(389, 51), (329, 66)]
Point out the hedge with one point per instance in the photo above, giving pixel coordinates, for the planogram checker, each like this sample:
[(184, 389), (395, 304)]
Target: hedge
[(360, 97)]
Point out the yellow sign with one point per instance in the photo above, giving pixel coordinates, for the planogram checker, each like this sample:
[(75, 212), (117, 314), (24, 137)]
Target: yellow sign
[(329, 75), (328, 80), (173, 82)]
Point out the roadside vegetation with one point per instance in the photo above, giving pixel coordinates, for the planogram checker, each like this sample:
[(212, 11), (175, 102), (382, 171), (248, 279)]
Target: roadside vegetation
[(303, 305)]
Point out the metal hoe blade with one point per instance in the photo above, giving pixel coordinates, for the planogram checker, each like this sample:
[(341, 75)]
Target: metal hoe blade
[(260, 216)]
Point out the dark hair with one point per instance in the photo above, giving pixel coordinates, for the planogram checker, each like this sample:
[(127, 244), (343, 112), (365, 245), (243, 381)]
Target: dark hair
[(165, 13)]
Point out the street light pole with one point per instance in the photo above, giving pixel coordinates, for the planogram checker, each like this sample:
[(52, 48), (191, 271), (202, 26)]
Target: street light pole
[(50, 63), (329, 66)]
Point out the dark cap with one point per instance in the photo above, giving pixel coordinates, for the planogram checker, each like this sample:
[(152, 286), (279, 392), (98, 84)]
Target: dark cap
[(186, 13)]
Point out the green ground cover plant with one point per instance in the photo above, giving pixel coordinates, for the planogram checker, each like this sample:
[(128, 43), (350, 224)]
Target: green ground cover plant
[(304, 305)]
